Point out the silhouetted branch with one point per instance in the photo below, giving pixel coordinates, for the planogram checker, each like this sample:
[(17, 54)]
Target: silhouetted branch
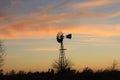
[(1, 53), (57, 65), (114, 65)]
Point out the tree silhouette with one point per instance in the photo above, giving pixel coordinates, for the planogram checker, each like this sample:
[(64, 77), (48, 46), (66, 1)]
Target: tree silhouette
[(114, 65), (1, 57), (57, 65), (1, 53)]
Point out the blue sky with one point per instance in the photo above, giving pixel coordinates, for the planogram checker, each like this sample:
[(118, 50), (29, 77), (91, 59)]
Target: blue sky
[(28, 29)]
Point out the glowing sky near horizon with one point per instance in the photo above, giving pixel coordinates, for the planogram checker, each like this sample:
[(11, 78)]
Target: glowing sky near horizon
[(28, 29)]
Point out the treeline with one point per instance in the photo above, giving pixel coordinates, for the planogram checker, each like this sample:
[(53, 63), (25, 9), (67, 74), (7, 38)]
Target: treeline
[(86, 74)]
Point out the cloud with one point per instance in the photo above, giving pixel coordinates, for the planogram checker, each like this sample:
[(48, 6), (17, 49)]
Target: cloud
[(43, 15), (36, 25), (113, 14), (39, 25), (53, 8), (34, 30), (44, 49), (10, 57), (3, 17), (93, 4), (99, 30), (15, 2)]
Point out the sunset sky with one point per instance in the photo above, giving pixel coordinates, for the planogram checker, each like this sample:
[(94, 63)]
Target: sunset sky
[(28, 29)]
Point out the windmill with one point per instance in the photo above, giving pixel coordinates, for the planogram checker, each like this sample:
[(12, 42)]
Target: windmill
[(60, 37)]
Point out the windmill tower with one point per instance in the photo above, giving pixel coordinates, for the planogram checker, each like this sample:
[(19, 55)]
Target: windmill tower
[(60, 38)]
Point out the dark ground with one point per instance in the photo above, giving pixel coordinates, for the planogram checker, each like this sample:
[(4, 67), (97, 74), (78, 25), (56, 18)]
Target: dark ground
[(86, 74)]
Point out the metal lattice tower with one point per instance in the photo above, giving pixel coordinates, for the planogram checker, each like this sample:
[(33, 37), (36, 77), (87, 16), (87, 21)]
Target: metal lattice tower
[(62, 57)]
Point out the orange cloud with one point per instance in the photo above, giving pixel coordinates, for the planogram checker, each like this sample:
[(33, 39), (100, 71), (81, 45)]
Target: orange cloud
[(43, 14), (3, 17), (39, 25), (44, 49), (10, 57), (113, 14), (28, 30), (100, 30), (94, 3), (53, 8)]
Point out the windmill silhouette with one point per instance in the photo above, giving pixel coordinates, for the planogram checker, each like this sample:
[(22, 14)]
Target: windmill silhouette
[(62, 58)]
